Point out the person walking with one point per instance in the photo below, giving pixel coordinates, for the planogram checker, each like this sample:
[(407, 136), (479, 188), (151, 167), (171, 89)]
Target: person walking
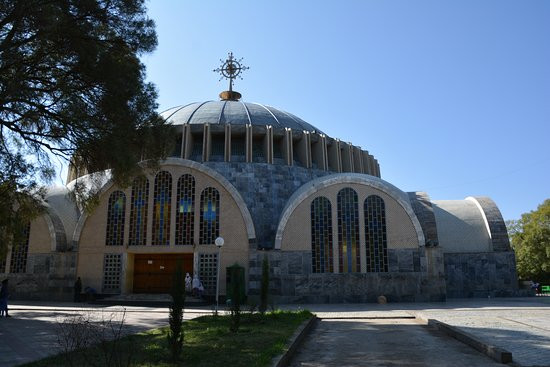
[(4, 293)]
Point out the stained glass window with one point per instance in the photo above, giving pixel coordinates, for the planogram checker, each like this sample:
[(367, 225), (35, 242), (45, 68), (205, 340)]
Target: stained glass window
[(185, 212), (321, 236), (210, 215), (115, 219), (19, 253), (112, 269), (138, 211), (348, 231), (162, 206), (375, 234)]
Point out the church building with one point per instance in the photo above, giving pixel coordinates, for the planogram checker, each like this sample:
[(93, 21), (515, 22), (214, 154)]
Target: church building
[(272, 186)]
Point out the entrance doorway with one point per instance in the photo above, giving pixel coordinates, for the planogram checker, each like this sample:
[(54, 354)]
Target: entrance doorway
[(153, 272)]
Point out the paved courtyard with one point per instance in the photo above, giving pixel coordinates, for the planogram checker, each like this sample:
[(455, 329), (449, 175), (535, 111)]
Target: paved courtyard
[(519, 325), (384, 342)]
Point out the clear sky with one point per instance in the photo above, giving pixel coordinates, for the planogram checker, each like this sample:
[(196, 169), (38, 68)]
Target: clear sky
[(451, 97)]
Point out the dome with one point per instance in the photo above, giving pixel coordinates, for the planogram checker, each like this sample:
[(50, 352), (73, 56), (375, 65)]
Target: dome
[(235, 113)]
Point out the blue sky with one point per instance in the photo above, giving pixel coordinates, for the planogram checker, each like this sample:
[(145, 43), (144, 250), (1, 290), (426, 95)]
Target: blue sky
[(451, 97)]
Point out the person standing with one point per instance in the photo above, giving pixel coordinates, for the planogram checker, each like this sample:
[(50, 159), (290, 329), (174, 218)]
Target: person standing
[(4, 293), (187, 283), (196, 284), (77, 290)]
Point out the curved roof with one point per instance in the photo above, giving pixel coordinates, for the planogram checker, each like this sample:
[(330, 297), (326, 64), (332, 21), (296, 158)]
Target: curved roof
[(461, 226), (234, 113)]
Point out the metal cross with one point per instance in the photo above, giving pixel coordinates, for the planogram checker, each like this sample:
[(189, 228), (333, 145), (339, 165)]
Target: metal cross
[(230, 69)]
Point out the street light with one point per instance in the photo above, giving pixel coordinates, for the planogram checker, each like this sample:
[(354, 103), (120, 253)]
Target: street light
[(219, 243)]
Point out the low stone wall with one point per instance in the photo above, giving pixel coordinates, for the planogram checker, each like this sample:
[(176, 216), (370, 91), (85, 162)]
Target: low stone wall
[(481, 274), (291, 280), (49, 277)]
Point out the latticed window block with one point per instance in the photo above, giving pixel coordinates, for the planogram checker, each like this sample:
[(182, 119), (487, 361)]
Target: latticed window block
[(208, 266), (112, 270), (210, 216), (19, 253), (375, 233), (185, 211), (162, 208), (3, 265), (138, 212), (348, 231), (116, 210), (321, 236)]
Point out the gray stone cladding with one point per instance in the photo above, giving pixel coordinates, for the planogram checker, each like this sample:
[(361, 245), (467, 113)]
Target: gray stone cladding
[(499, 234), (422, 206), (49, 277), (488, 274), (265, 188), (291, 280)]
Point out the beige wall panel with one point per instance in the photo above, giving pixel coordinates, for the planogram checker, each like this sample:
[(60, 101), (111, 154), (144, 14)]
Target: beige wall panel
[(232, 229), (90, 270), (400, 230), (40, 241)]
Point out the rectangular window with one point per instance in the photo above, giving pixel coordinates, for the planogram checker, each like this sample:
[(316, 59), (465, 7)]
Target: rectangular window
[(112, 270), (208, 266), (19, 253)]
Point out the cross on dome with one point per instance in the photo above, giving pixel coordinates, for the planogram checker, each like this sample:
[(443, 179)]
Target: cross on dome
[(231, 69)]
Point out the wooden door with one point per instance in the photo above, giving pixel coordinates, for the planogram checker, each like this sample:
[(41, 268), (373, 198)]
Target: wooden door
[(153, 272)]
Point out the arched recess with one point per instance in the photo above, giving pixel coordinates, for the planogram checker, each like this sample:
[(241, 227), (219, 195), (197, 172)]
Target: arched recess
[(251, 233), (320, 183)]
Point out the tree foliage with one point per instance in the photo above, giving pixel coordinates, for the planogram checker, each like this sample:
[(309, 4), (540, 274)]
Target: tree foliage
[(530, 238), (72, 86), (175, 335)]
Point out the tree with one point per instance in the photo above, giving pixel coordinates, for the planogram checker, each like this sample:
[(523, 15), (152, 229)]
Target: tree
[(530, 238), (175, 316), (72, 86)]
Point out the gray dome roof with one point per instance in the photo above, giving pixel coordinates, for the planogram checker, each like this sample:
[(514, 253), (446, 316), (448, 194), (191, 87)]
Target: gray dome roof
[(234, 113)]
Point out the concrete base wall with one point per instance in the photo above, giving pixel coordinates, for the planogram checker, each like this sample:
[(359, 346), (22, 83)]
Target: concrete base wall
[(49, 277), (481, 274), (291, 280)]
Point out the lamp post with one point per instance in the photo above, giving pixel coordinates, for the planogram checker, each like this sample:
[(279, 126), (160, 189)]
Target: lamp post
[(219, 243)]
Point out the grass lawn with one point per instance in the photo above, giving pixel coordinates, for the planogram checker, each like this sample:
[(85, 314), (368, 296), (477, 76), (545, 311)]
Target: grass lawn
[(208, 342)]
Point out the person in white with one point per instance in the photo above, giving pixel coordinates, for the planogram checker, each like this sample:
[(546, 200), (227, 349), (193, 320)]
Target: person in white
[(196, 285), (187, 283)]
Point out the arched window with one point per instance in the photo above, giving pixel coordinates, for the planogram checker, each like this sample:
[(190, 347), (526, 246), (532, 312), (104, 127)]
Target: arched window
[(185, 213), (210, 215), (321, 236), (348, 231), (138, 212), (375, 234), (19, 253), (115, 219), (162, 205)]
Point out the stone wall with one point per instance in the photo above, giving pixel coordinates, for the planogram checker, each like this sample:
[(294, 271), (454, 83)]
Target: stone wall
[(481, 274), (49, 277), (265, 188), (291, 280)]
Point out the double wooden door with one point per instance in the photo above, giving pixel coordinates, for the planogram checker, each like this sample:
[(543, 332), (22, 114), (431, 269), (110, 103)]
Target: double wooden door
[(153, 273)]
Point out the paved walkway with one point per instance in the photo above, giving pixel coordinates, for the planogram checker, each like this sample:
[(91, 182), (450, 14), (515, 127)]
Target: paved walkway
[(520, 325), (384, 342)]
